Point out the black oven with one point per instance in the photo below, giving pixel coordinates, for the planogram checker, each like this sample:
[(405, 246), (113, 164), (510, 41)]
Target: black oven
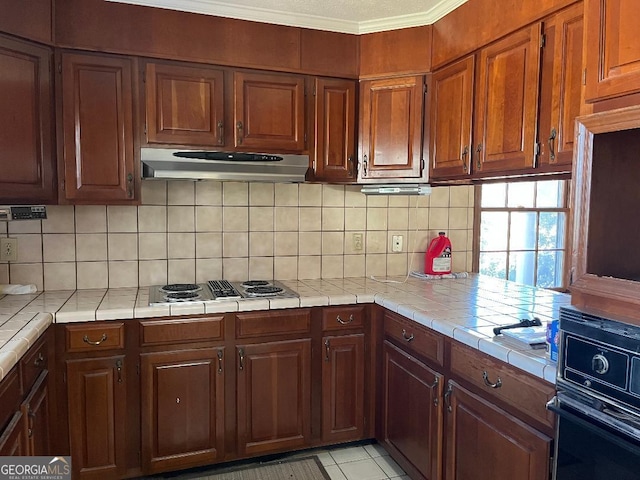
[(598, 399)]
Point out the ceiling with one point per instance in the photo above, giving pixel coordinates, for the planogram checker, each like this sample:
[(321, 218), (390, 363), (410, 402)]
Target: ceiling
[(346, 16)]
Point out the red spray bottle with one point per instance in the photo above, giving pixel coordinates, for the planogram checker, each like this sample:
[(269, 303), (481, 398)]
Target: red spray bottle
[(437, 259)]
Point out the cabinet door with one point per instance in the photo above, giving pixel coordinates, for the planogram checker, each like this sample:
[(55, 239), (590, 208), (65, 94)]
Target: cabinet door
[(561, 88), (12, 440), (185, 105), (391, 128), (269, 112), (97, 128), (507, 103), (96, 402), (182, 408), (343, 388), (273, 396), (613, 48), (486, 443), (35, 410), (335, 129), (450, 124), (27, 159), (412, 413)]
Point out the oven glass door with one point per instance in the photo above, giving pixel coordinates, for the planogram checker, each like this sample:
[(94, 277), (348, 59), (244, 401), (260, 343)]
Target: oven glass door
[(587, 449)]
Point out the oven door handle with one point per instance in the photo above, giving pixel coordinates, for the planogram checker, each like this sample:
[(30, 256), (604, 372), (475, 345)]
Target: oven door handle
[(594, 427)]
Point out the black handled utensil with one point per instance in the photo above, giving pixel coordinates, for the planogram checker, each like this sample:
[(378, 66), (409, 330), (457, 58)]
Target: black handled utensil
[(534, 322)]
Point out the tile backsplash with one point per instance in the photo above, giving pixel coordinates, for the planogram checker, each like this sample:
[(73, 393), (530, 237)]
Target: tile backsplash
[(188, 231)]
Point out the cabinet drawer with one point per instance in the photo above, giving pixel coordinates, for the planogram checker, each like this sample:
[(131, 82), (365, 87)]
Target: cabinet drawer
[(263, 324), (34, 362), (89, 338), (157, 332), (503, 382), (341, 318), (415, 337)]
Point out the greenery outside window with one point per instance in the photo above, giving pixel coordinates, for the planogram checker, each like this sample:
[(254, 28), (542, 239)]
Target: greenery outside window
[(523, 231)]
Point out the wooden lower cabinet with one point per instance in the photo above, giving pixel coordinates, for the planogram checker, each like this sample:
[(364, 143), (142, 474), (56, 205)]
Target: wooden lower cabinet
[(182, 408), (12, 439), (485, 442), (96, 399), (343, 388), (35, 410), (273, 396), (412, 413)]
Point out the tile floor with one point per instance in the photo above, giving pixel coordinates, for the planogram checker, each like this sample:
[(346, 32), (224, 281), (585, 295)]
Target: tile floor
[(359, 462), (367, 462)]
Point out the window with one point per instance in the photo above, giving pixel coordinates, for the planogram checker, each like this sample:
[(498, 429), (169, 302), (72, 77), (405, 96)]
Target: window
[(523, 231)]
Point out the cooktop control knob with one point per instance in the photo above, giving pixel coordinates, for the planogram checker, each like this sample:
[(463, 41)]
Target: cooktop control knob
[(600, 364)]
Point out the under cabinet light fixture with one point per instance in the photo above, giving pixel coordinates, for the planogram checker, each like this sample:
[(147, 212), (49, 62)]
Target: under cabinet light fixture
[(397, 189)]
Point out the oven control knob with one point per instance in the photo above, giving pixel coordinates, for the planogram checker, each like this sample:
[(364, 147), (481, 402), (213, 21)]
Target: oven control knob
[(600, 364), (587, 383)]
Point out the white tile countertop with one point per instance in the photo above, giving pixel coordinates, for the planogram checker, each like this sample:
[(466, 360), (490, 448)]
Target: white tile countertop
[(465, 309)]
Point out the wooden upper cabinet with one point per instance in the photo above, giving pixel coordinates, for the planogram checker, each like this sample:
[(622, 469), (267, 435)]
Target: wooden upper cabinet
[(27, 158), (184, 105), (560, 88), (613, 48), (451, 110), (507, 102), (335, 129), (391, 119), (269, 112), (99, 160)]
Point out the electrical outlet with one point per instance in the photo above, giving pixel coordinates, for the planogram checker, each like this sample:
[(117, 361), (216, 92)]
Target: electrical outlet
[(396, 243), (8, 249), (357, 241)]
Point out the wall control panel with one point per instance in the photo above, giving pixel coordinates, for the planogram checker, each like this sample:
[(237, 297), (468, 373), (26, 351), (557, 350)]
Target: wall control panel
[(23, 212)]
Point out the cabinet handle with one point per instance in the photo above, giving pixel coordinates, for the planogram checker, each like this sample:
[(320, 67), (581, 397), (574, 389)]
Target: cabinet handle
[(119, 370), (435, 383), (239, 127), (447, 398), (408, 338), (241, 355), (479, 160), (220, 133), (465, 152), (364, 166), (130, 185), (487, 382), (219, 361), (350, 166), (327, 346), (344, 322), (39, 361), (552, 138), (31, 416), (85, 339)]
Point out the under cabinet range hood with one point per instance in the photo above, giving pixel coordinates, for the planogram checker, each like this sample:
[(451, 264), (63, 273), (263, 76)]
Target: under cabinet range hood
[(396, 189), (165, 164)]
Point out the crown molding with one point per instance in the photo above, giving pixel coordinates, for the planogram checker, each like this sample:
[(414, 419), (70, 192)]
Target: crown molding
[(413, 20), (257, 14)]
